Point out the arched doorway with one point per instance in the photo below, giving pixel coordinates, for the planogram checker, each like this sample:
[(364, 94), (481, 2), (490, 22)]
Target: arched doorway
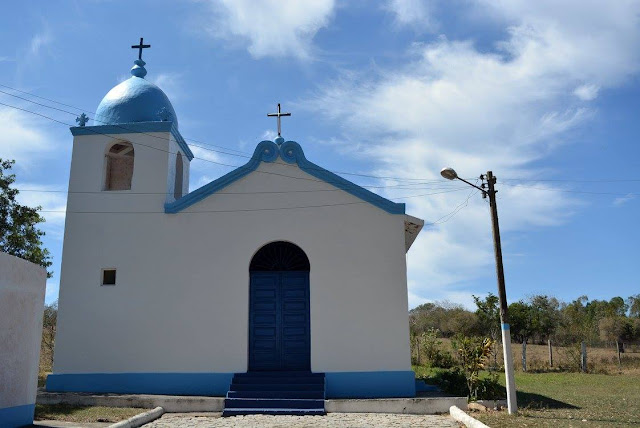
[(279, 333)]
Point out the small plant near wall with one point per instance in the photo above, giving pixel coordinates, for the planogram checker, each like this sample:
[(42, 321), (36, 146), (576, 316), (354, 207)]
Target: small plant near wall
[(473, 355)]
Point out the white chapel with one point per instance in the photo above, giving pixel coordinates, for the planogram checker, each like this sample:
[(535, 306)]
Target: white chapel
[(277, 281)]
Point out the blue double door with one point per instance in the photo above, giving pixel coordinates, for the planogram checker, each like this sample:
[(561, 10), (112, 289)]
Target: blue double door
[(279, 326)]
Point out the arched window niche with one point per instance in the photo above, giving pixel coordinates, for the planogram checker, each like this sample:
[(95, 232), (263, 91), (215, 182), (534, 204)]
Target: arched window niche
[(177, 190), (119, 166)]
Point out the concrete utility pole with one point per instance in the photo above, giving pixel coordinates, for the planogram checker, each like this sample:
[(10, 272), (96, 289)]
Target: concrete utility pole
[(512, 402), (450, 174)]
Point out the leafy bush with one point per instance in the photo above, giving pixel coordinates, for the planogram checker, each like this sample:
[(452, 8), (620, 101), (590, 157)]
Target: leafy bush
[(432, 348), (452, 381), (490, 389), (473, 356)]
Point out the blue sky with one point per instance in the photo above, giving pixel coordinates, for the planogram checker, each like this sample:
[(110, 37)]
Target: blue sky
[(545, 93)]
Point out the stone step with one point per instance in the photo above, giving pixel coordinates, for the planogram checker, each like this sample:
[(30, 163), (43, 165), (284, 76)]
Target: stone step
[(288, 374), (272, 403), (295, 412), (277, 394), (277, 387), (277, 380)]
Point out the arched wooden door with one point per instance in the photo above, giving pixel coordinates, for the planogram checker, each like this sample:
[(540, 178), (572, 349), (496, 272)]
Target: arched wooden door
[(279, 325)]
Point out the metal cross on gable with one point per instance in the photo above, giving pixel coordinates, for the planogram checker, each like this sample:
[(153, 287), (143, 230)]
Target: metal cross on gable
[(278, 115), (140, 47)]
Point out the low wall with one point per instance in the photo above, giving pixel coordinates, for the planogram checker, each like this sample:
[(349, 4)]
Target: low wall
[(22, 288)]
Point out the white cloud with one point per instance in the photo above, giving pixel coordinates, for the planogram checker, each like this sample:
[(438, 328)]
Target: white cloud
[(51, 293), (40, 41), (271, 27), (22, 137), (269, 134), (170, 83), (52, 200), (623, 199), (586, 92), (416, 13), (455, 105), (203, 154)]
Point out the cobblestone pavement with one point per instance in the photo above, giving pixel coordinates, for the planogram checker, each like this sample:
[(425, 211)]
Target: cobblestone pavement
[(331, 420)]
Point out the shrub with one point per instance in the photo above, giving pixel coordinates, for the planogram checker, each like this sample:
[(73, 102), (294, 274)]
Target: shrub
[(473, 355)]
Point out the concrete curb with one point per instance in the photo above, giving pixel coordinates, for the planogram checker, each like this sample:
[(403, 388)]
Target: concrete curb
[(467, 420), (410, 406), (140, 419), (170, 403)]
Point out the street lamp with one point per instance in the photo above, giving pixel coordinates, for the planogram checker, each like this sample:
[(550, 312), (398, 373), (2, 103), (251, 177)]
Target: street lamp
[(450, 174)]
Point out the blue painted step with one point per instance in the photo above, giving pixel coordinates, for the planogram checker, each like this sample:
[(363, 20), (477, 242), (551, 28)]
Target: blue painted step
[(276, 387), (287, 374), (276, 393), (293, 412), (273, 403), (279, 380)]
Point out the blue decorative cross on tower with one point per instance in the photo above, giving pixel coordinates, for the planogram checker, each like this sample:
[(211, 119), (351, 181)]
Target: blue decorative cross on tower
[(82, 119), (140, 47), (278, 115)]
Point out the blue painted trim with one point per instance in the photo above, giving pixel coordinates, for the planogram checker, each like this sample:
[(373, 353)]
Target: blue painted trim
[(135, 127), (505, 326), (290, 152), (384, 384), (213, 384), (17, 416), (266, 151)]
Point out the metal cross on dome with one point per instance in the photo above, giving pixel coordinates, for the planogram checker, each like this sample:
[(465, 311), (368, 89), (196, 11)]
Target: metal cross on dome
[(140, 47), (278, 115)]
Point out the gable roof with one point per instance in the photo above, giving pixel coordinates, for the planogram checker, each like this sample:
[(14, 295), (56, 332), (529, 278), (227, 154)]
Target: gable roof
[(290, 152)]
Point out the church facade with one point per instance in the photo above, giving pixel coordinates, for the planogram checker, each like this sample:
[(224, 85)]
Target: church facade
[(279, 266)]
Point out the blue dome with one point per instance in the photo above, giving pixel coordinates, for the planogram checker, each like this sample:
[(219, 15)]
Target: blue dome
[(135, 100)]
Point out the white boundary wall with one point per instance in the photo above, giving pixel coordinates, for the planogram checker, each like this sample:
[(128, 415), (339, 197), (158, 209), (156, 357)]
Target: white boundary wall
[(22, 289)]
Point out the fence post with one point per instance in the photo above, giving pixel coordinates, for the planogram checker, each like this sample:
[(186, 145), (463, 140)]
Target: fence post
[(524, 355), (583, 356), (550, 353)]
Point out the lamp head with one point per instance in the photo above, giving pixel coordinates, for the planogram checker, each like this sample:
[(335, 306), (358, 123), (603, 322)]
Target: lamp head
[(449, 173)]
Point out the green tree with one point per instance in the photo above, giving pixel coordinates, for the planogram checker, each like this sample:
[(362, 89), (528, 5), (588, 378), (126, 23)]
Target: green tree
[(634, 306), (49, 328), (617, 307), (616, 329), (545, 316), (521, 321), (488, 315), (488, 321), (19, 235)]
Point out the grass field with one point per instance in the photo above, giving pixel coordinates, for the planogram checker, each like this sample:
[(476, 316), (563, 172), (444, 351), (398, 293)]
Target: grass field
[(572, 400), (63, 412)]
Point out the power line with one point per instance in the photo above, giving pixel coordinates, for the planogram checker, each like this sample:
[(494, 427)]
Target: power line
[(238, 210), (568, 180), (195, 145), (239, 153), (84, 110), (106, 192), (457, 209), (572, 191), (166, 151)]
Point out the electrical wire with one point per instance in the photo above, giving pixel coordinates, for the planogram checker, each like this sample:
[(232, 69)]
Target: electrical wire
[(169, 152), (226, 152), (571, 191)]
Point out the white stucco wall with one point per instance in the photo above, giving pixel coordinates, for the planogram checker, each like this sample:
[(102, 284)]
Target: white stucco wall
[(22, 288), (181, 299)]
